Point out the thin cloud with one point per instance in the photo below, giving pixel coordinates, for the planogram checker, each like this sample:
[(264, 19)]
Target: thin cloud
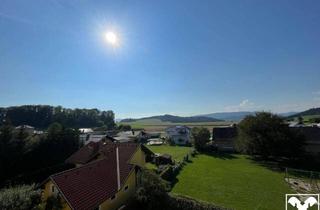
[(316, 92), (244, 105)]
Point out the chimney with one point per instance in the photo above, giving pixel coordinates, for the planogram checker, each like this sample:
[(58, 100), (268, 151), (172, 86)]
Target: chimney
[(118, 168)]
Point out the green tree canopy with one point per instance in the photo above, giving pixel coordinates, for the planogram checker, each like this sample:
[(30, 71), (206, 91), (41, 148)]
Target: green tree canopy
[(267, 134), (201, 137), (41, 116)]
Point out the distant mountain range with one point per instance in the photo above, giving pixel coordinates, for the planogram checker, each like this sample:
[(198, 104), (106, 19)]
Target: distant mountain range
[(228, 116), (213, 117), (175, 119)]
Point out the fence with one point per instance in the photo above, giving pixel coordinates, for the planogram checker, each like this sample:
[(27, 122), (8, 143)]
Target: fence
[(171, 171), (303, 181)]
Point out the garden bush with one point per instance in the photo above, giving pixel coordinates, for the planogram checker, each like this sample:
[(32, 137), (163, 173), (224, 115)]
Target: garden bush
[(23, 197)]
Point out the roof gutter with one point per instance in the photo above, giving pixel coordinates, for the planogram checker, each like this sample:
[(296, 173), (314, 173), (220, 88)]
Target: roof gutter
[(118, 168)]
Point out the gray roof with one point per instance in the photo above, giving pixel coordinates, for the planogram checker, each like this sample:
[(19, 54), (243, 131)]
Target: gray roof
[(224, 132)]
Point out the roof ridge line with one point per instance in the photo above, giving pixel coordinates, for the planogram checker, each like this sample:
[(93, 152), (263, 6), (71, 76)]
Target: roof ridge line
[(75, 168)]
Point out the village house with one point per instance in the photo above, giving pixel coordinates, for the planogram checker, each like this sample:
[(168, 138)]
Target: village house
[(126, 136), (180, 135), (94, 136), (144, 136), (312, 139), (224, 138), (26, 128), (105, 177)]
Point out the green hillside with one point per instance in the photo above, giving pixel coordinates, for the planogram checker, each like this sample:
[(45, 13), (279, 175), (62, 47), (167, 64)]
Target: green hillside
[(309, 113), (173, 119)]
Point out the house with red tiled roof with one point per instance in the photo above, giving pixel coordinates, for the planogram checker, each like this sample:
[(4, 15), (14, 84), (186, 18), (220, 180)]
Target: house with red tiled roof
[(105, 177)]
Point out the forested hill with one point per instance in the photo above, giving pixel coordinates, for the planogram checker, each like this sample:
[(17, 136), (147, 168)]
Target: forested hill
[(41, 116), (175, 119), (309, 112)]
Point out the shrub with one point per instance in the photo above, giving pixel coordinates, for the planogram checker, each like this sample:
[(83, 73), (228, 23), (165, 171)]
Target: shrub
[(53, 203), (186, 203), (152, 192), (167, 174), (152, 195), (22, 197)]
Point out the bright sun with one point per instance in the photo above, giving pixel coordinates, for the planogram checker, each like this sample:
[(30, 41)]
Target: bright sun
[(112, 38)]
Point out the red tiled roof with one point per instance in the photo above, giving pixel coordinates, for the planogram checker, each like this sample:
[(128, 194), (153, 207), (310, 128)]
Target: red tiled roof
[(88, 152), (88, 186), (84, 154)]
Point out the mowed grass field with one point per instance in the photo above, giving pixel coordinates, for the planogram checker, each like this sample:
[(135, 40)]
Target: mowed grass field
[(177, 152), (155, 125), (232, 181)]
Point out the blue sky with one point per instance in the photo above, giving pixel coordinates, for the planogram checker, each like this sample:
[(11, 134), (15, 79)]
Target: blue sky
[(176, 57)]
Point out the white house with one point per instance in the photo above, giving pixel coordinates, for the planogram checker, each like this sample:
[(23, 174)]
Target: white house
[(85, 130), (180, 135), (126, 136), (88, 135), (26, 128)]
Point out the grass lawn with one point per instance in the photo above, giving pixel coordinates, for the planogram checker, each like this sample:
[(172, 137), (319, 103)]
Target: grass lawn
[(232, 181), (177, 152)]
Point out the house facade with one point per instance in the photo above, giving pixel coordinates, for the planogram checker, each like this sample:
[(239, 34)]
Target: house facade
[(180, 135), (312, 139), (26, 128), (105, 177), (224, 138), (86, 138), (144, 136)]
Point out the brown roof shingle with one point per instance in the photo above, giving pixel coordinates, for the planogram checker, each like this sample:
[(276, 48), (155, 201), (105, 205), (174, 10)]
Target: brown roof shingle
[(88, 186)]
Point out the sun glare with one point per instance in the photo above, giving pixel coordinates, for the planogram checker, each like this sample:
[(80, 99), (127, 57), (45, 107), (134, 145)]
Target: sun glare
[(112, 38)]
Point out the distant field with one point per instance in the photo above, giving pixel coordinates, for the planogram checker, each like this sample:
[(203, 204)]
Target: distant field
[(160, 126), (308, 117), (232, 181), (177, 152)]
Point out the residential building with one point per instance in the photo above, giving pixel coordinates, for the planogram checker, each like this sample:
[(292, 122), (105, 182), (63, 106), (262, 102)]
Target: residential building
[(106, 176), (85, 138), (180, 135), (26, 128), (144, 136), (85, 130), (224, 138), (312, 137), (126, 136)]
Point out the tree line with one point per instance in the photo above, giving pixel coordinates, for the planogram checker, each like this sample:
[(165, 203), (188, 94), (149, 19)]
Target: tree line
[(25, 158), (41, 116)]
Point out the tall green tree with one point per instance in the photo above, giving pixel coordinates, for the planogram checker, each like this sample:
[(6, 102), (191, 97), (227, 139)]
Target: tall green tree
[(5, 149), (267, 134), (201, 137)]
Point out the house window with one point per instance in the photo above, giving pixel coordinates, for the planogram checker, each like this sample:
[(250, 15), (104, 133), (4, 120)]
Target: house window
[(52, 188), (126, 188), (113, 197)]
